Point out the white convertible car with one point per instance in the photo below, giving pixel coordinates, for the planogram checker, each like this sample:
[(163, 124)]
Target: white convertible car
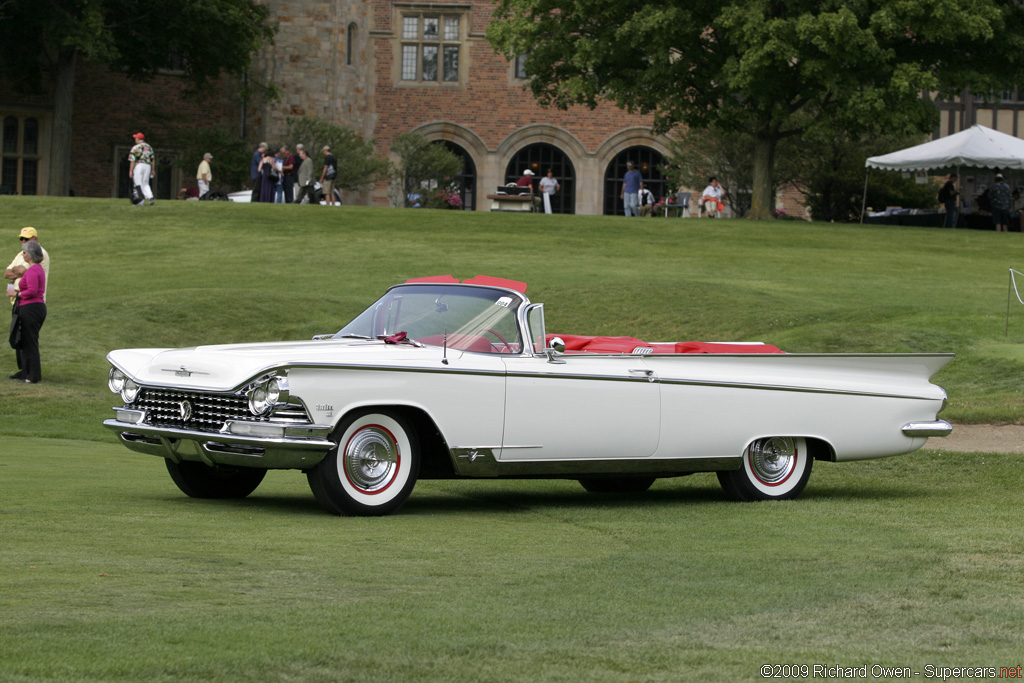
[(448, 379)]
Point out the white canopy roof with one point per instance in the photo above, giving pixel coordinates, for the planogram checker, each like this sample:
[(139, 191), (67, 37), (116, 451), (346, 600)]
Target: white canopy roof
[(976, 147)]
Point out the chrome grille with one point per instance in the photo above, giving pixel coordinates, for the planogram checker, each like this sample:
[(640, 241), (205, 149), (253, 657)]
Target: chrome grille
[(209, 411)]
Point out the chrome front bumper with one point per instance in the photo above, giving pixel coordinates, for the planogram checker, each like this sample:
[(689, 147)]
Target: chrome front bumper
[(268, 446), (927, 429)]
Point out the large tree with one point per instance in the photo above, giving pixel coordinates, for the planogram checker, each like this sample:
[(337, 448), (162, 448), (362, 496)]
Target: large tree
[(770, 69), (42, 41)]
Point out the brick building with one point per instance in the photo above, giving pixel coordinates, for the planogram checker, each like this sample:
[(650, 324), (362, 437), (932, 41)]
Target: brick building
[(380, 67)]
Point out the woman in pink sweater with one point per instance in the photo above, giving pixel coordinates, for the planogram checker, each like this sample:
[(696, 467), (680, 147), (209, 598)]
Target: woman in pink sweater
[(32, 311)]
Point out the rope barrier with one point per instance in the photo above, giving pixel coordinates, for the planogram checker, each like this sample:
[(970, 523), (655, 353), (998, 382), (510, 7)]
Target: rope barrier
[(1012, 286)]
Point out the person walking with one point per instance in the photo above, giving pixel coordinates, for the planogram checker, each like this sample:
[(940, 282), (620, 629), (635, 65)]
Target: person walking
[(14, 273), (140, 167), (631, 189), (328, 174), (305, 176), (203, 175), (32, 311)]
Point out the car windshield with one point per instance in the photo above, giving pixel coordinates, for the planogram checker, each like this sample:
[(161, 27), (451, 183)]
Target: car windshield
[(463, 317)]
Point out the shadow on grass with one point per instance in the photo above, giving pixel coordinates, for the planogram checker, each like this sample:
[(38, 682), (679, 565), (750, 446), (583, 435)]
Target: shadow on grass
[(482, 500)]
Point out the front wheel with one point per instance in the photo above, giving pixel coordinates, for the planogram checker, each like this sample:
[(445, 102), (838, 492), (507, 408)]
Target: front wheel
[(373, 468), (774, 468), (201, 481)]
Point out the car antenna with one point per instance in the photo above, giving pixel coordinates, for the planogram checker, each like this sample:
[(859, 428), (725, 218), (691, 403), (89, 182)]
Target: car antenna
[(444, 358)]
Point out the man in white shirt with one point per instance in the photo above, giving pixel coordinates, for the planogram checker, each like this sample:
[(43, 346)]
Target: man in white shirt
[(204, 176), (711, 198), (548, 187)]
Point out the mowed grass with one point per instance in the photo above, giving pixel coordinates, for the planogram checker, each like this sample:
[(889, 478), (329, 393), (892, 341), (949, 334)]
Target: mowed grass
[(185, 273), (109, 573)]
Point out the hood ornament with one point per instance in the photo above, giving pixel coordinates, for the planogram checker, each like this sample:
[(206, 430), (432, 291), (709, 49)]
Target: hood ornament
[(184, 372)]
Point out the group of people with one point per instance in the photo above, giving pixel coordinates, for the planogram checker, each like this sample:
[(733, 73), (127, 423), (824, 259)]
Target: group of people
[(548, 187), (637, 200), (1003, 204), (275, 177), (27, 277)]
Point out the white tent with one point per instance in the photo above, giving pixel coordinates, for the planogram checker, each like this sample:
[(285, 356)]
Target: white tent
[(976, 147)]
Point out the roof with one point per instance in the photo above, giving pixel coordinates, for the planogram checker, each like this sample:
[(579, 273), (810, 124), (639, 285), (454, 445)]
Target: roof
[(976, 147)]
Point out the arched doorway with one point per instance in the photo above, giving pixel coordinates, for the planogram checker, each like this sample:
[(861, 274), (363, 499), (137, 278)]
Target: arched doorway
[(466, 177), (539, 158), (648, 161)]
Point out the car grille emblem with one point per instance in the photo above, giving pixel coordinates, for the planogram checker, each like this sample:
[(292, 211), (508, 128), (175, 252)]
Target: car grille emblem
[(185, 410)]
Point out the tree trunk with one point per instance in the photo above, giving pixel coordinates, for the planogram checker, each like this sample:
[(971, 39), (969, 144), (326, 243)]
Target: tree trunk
[(762, 205), (59, 180)]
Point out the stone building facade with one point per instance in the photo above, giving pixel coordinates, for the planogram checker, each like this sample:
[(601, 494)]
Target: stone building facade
[(385, 68), (381, 67)]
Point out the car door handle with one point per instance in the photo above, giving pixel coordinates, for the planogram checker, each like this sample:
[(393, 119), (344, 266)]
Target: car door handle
[(649, 374)]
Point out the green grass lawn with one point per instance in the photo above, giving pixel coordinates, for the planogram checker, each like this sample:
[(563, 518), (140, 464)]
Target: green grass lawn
[(109, 573)]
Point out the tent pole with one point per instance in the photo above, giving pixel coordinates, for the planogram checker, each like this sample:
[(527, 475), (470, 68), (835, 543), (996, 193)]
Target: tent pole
[(864, 200), (959, 200)]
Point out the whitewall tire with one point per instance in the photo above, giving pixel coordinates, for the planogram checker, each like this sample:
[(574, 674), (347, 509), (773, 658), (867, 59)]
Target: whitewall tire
[(373, 468), (774, 468)]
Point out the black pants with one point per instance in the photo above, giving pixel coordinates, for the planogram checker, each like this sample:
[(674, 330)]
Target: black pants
[(32, 318), (304, 190), (256, 190), (289, 188)]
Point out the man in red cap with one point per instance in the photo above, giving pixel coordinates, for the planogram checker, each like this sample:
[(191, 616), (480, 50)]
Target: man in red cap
[(140, 167)]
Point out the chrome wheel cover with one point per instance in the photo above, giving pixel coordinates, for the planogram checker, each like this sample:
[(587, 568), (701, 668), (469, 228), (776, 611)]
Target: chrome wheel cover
[(772, 460), (371, 459)]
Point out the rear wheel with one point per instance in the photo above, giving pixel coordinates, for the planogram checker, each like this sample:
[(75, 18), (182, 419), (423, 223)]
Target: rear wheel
[(617, 485), (373, 468), (201, 481), (774, 468)]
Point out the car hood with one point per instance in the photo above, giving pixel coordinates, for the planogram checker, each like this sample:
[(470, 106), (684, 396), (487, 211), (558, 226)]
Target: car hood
[(226, 367)]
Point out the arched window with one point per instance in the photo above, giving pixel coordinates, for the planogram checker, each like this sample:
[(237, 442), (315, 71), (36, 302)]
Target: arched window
[(648, 161), (539, 158), (350, 49), (466, 177)]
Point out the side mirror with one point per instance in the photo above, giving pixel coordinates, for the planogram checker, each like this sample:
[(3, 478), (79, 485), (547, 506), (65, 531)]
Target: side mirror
[(555, 348)]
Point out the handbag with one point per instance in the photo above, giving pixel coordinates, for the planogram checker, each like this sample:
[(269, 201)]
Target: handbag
[(15, 336)]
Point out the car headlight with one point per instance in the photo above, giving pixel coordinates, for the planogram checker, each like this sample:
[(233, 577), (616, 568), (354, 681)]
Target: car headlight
[(115, 380), (265, 395), (130, 391), (258, 400)]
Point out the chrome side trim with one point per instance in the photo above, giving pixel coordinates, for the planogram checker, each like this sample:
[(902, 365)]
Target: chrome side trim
[(784, 387), (929, 429), (480, 462)]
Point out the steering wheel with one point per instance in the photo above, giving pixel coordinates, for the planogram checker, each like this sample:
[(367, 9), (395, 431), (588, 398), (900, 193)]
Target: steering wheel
[(508, 347)]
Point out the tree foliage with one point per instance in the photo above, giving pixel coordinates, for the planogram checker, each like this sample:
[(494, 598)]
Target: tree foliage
[(773, 70), (41, 44), (358, 165), (831, 176), (422, 166), (231, 155), (700, 154)]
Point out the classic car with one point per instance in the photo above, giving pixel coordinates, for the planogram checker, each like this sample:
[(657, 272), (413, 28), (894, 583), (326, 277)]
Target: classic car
[(447, 379)]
